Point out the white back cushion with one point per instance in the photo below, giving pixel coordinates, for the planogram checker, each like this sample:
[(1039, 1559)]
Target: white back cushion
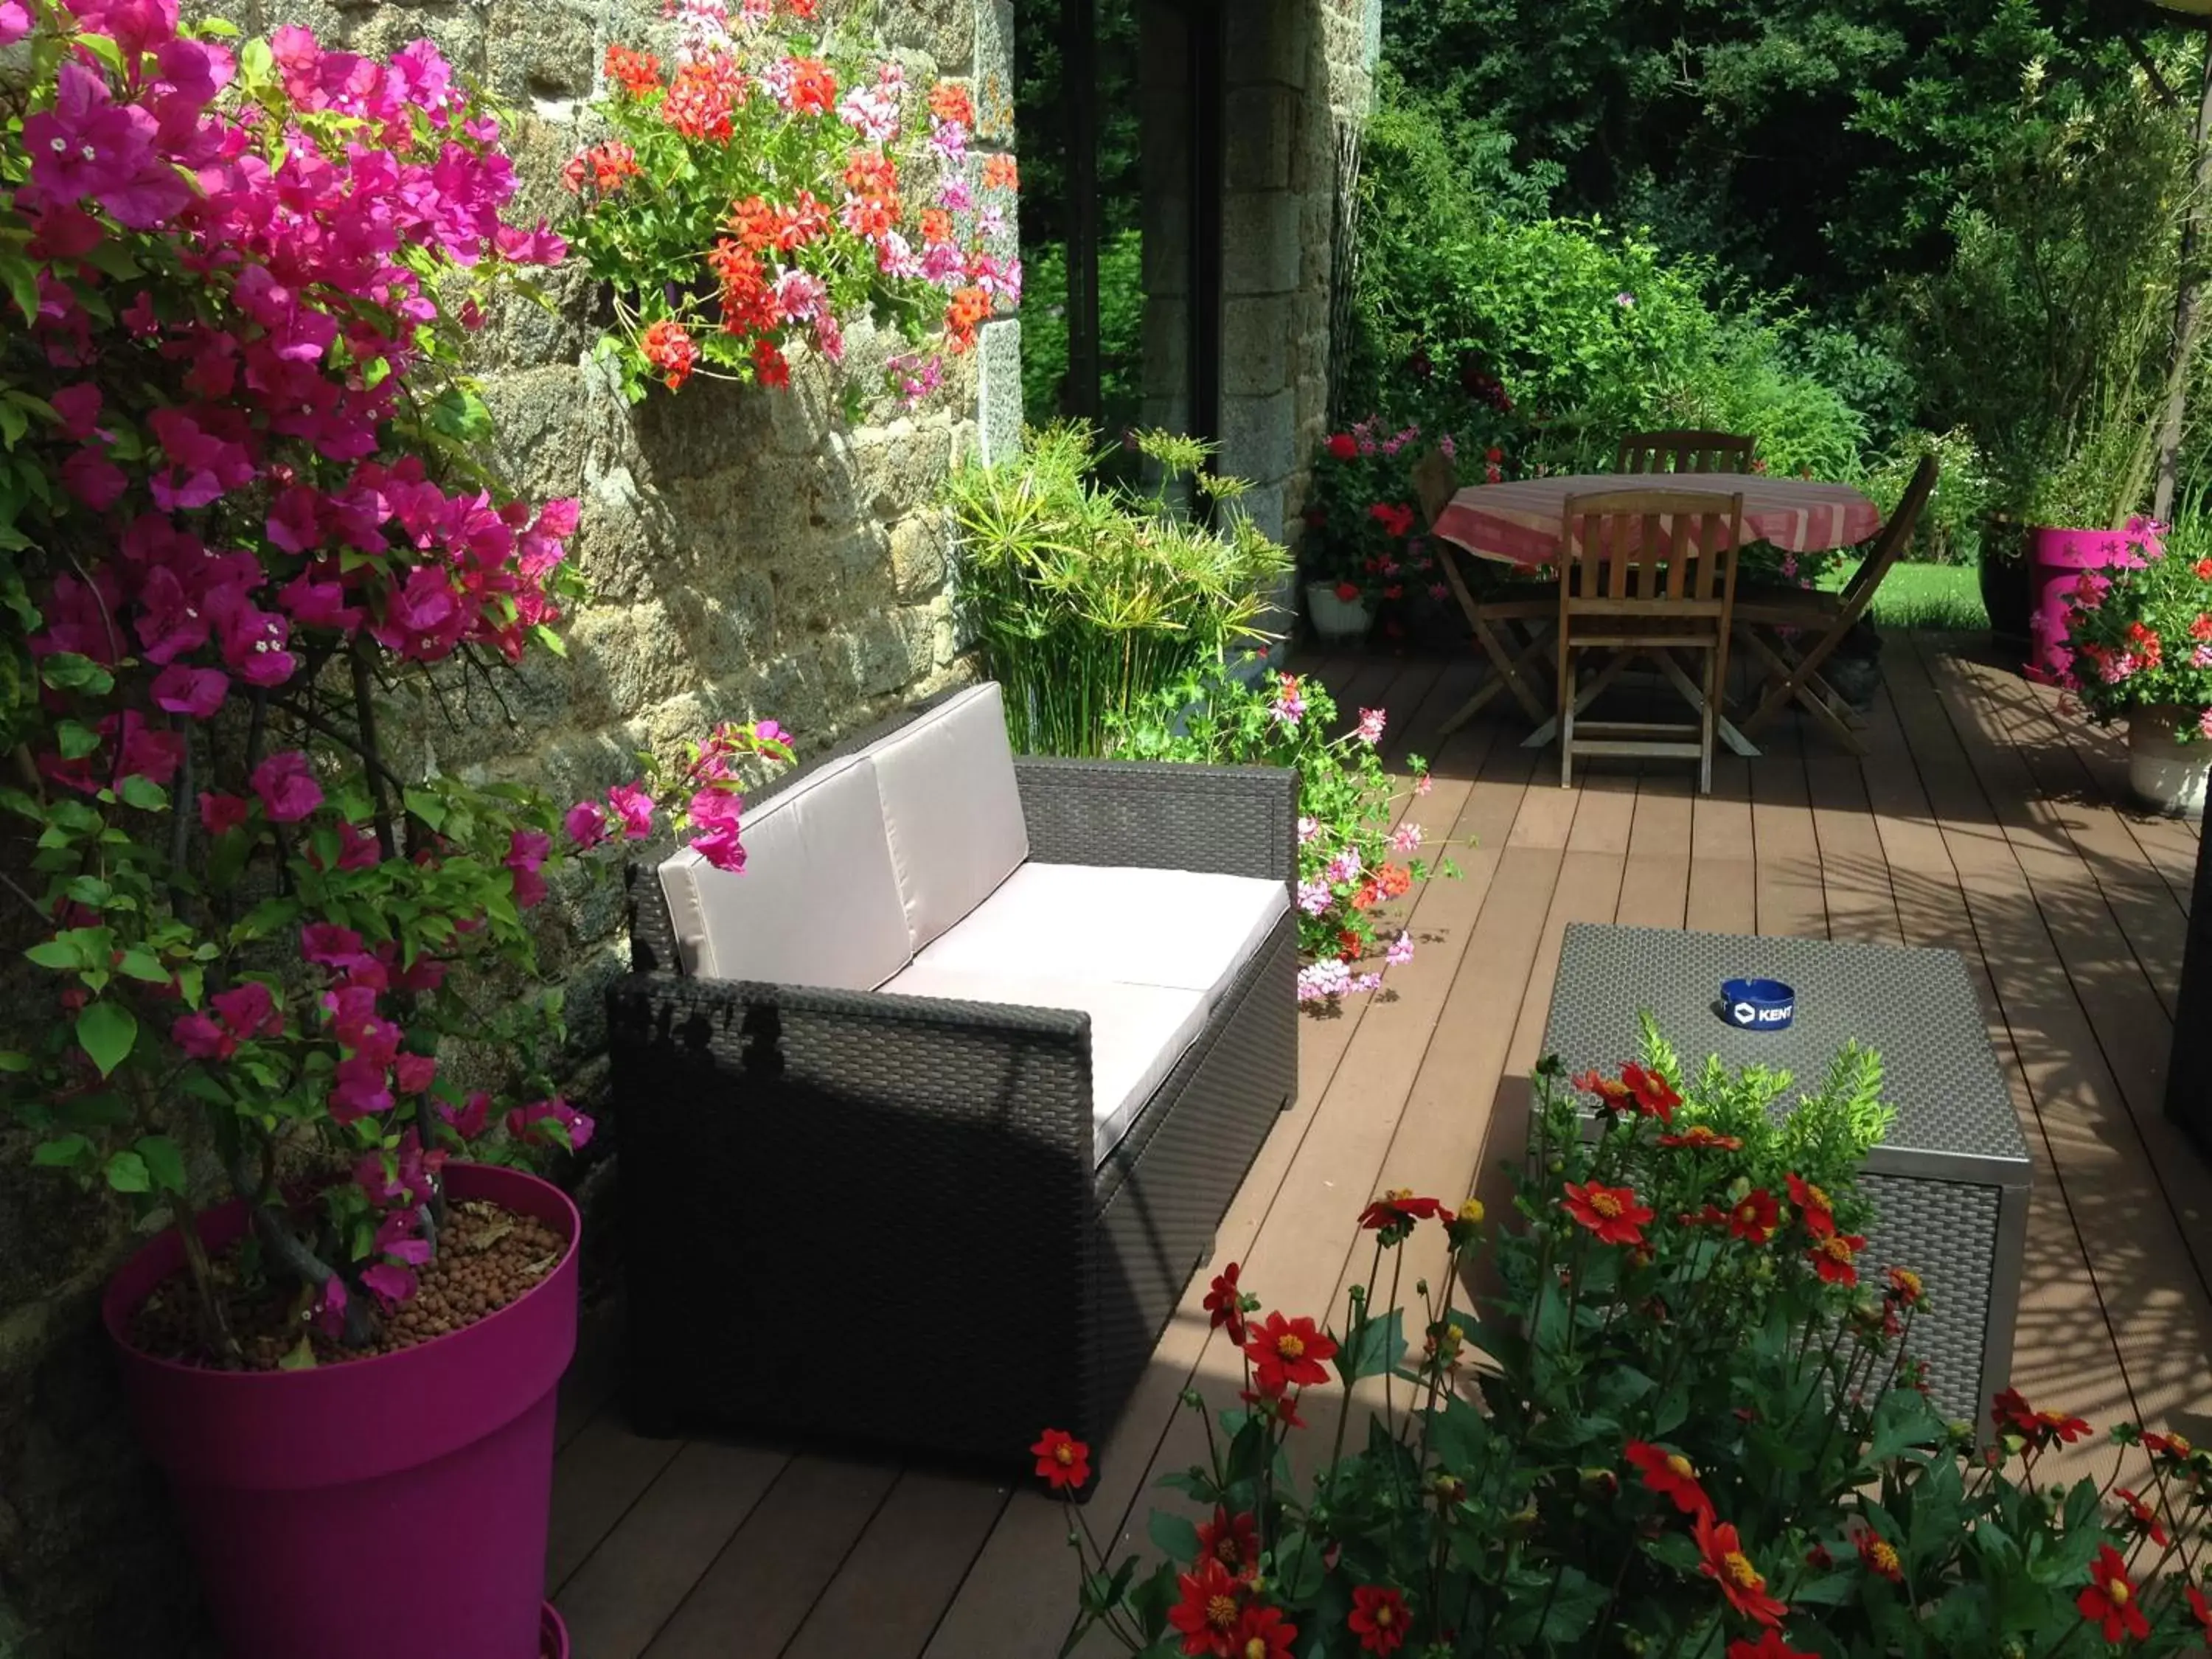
[(951, 808), (816, 902)]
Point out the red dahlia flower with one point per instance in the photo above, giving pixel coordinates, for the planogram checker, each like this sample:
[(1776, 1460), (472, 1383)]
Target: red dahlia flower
[(1611, 1212), (1654, 1096), (1263, 1633), (1290, 1353), (1724, 1562), (1398, 1208), (1755, 1216), (1833, 1257), (1225, 1304), (1233, 1540), (1880, 1556), (1378, 1619), (1612, 1095), (1209, 1611), (1905, 1288), (1671, 1475), (1062, 1461), (1812, 1204), (1770, 1645), (2200, 1609), (2141, 1516), (2109, 1601), (1703, 1138)]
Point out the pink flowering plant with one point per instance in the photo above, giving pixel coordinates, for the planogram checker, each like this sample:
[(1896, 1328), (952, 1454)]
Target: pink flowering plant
[(240, 496), (1364, 532), (1356, 856), (2142, 638), (772, 185)]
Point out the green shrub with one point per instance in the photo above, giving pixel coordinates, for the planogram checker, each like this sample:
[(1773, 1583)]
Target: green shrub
[(1120, 328), (1087, 597)]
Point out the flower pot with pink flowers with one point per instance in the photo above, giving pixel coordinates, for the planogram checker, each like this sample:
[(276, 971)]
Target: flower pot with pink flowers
[(2143, 653), (283, 1004), (1362, 549)]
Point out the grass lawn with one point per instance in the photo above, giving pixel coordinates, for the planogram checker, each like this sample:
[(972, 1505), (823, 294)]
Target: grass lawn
[(1947, 597)]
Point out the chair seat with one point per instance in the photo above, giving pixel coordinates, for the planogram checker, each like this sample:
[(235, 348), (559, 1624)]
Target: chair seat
[(1673, 634), (1175, 929), (1137, 1032)]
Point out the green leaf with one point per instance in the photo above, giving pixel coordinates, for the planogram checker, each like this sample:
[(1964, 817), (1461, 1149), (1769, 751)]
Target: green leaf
[(62, 1153), (141, 963), (21, 279), (144, 794), (300, 1357), (164, 1162), (75, 739), (127, 1173), (1177, 1538), (107, 1032), (1382, 1343), (12, 1061), (105, 48), (430, 808)]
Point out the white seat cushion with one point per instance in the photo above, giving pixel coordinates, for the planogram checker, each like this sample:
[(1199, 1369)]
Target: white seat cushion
[(1172, 928), (816, 902), (952, 810), (1137, 1032)]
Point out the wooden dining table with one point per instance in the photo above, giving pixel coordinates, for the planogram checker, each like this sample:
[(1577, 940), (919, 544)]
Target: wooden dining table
[(1519, 524)]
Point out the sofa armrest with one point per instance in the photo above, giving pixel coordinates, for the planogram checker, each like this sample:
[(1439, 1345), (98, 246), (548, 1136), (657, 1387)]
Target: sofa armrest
[(1162, 815)]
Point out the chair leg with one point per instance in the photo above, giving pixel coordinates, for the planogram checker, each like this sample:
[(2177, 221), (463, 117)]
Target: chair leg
[(1566, 715), (1705, 723)]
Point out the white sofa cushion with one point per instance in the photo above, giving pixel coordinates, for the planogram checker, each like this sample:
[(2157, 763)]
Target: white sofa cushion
[(951, 808), (816, 902), (1171, 928), (1137, 1032)]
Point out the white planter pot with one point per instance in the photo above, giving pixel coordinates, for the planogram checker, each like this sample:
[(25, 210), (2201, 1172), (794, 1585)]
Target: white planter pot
[(1337, 622), (2167, 774)]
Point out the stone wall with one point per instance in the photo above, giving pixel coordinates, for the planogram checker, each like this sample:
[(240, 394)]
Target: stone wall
[(751, 554)]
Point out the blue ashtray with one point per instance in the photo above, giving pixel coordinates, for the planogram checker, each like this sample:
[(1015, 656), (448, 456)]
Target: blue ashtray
[(1758, 1004)]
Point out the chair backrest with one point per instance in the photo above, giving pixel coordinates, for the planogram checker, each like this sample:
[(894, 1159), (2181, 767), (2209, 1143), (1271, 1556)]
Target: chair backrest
[(1654, 550), (1684, 452), (1890, 544), (1435, 482)]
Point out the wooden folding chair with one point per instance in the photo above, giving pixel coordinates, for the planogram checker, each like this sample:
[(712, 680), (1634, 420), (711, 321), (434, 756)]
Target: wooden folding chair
[(1684, 452), (1819, 623), (1653, 573), (1513, 629)]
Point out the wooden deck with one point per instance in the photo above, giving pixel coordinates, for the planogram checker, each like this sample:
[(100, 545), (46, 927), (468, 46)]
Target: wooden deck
[(1981, 821)]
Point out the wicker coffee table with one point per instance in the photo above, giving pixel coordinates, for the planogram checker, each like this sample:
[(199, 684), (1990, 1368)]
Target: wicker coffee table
[(1950, 1181)]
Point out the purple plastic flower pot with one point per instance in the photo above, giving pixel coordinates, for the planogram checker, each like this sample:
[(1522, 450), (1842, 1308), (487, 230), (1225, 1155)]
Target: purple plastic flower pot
[(2056, 561), (391, 1504)]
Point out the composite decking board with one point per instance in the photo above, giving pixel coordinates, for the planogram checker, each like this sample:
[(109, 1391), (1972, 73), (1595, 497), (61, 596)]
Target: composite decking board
[(597, 1477), (1654, 887), (1792, 901), (1723, 889), (2132, 1031), (760, 1590), (2156, 1310), (1014, 1602), (889, 1594), (627, 1588), (594, 1373), (2047, 789), (2112, 1309)]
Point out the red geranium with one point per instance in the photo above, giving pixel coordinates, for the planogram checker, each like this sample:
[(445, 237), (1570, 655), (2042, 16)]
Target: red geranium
[(1611, 1212), (1378, 1619), (2109, 1601), (1063, 1460), (1812, 1204), (1210, 1610), (1342, 445), (1347, 591), (1670, 1475), (1755, 1216), (1654, 1096), (1726, 1565), (1290, 1353), (1233, 1540), (1394, 519), (1833, 1257), (1225, 1304)]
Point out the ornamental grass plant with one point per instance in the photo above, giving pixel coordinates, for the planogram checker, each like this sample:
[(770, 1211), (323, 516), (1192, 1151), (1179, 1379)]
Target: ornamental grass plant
[(1085, 597), (1690, 1423)]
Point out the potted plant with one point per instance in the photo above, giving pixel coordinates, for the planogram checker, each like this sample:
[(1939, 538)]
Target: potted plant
[(1696, 1426), (766, 191), (243, 494), (1362, 550), (2143, 651), (2060, 551), (1353, 860)]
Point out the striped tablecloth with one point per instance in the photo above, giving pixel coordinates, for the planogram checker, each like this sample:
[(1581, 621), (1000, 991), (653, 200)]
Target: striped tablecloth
[(1519, 523)]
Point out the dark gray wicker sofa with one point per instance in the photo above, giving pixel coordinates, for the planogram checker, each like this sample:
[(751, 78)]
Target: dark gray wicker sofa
[(943, 1189)]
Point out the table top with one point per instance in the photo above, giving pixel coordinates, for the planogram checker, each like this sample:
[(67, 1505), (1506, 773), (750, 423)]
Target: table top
[(1916, 1008), (1519, 523)]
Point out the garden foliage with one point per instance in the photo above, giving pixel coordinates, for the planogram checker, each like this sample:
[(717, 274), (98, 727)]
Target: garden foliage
[(2141, 634)]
